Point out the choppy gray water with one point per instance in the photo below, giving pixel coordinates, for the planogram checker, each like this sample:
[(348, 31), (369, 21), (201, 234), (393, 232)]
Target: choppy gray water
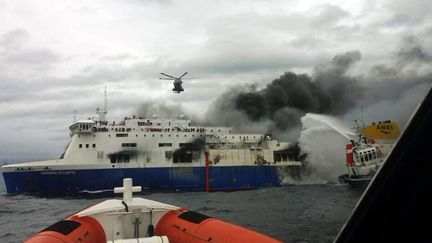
[(297, 213)]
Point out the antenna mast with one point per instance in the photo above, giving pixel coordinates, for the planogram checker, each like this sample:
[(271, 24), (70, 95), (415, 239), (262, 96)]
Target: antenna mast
[(103, 112)]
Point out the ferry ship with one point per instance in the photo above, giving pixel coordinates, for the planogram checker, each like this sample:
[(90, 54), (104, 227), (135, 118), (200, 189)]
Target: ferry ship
[(158, 154), (366, 153)]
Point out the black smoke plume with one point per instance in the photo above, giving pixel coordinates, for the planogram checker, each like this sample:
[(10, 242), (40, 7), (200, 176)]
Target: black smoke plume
[(375, 92), (329, 90)]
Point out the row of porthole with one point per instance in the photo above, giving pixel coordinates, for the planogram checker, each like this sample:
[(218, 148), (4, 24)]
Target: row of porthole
[(129, 129), (136, 135), (87, 145), (169, 135), (247, 137)]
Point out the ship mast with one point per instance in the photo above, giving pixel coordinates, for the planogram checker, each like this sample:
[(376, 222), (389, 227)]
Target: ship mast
[(103, 112)]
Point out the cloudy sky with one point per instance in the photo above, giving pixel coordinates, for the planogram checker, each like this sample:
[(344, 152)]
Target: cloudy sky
[(57, 56)]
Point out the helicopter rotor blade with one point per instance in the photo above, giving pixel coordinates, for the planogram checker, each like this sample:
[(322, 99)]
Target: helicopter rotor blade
[(167, 75), (183, 75), (167, 78)]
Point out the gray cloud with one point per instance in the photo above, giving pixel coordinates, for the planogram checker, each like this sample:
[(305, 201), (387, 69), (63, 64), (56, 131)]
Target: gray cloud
[(14, 38), (409, 12), (413, 51), (14, 50), (329, 15)]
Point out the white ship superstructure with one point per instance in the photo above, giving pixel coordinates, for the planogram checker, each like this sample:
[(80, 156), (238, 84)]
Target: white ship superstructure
[(159, 154)]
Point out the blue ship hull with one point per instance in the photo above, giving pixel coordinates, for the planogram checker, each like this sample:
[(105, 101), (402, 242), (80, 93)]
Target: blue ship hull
[(72, 182)]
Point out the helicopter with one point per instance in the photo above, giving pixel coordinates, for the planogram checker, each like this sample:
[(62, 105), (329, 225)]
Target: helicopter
[(177, 82)]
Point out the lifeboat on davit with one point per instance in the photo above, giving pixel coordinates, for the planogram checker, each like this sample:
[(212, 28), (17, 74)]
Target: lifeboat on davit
[(145, 221)]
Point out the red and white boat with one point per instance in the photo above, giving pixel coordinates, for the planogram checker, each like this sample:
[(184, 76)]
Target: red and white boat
[(144, 221), (366, 153)]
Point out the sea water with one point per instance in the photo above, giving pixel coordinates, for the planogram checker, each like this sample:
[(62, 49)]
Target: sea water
[(295, 213)]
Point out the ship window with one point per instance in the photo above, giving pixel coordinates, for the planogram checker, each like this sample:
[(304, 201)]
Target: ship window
[(168, 155), (185, 144), (182, 156), (165, 144), (119, 158), (80, 145), (94, 145), (153, 135), (129, 145), (87, 145), (121, 135), (161, 135), (100, 154)]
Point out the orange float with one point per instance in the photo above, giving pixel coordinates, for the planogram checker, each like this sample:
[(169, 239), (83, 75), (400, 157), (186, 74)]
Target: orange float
[(71, 230), (182, 226)]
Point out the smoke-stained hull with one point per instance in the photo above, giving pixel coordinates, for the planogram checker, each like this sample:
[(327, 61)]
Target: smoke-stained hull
[(76, 181)]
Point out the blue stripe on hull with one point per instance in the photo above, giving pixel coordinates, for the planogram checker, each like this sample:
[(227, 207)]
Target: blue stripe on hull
[(69, 182)]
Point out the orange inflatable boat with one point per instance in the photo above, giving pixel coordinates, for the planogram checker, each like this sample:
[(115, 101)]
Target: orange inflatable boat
[(144, 221)]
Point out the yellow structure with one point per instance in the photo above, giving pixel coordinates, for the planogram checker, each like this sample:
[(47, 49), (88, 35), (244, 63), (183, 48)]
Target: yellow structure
[(386, 130)]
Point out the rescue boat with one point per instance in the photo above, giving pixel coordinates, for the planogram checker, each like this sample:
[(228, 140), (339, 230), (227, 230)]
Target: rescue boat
[(145, 221), (366, 153)]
